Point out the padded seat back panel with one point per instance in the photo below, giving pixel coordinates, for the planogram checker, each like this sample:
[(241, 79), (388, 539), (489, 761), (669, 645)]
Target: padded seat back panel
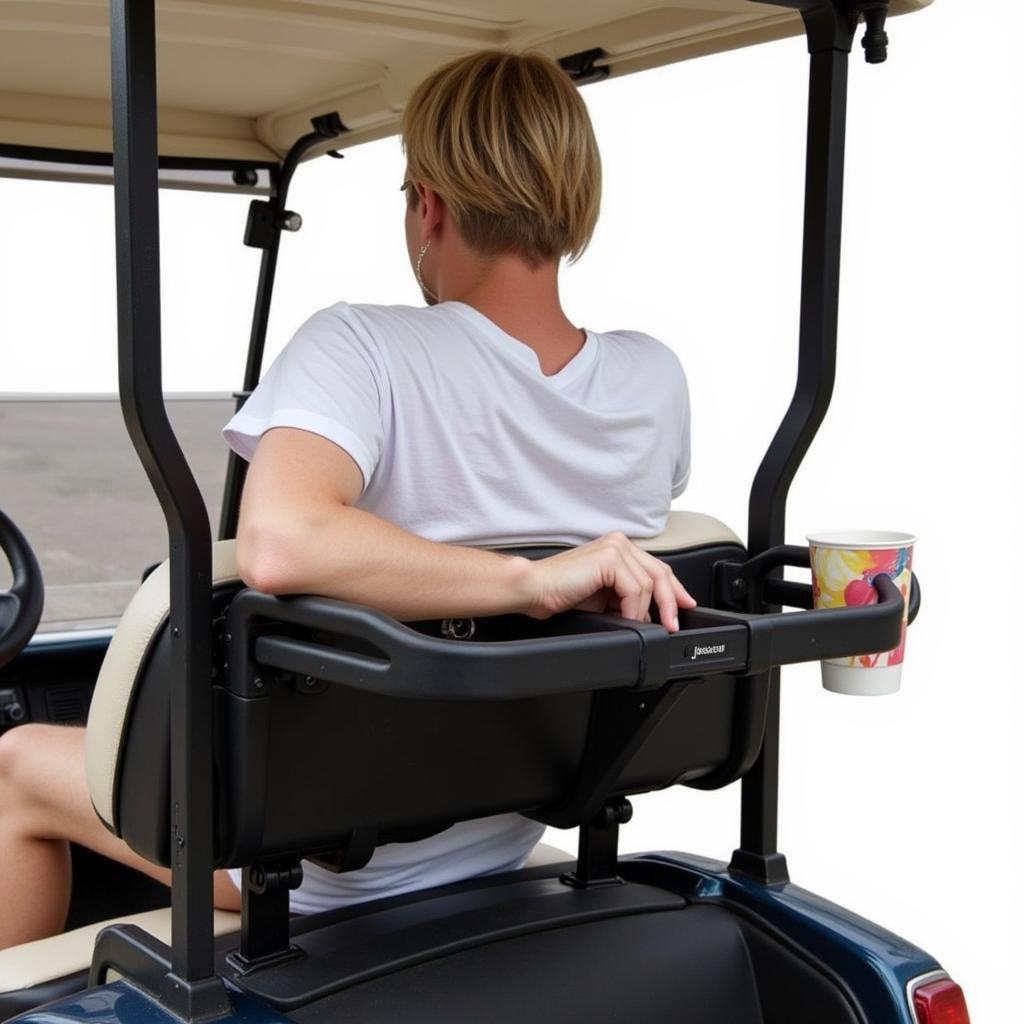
[(412, 764), (413, 767), (299, 772), (300, 769), (673, 967)]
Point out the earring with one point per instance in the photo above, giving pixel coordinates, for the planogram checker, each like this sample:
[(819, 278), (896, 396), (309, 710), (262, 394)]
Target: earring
[(419, 277)]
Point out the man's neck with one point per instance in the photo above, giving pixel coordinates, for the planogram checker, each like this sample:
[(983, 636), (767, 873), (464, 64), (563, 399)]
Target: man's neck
[(524, 302)]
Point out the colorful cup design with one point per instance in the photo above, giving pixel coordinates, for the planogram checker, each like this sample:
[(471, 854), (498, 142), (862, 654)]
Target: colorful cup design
[(844, 566)]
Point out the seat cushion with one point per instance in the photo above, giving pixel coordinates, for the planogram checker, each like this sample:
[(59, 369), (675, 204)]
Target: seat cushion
[(108, 713)]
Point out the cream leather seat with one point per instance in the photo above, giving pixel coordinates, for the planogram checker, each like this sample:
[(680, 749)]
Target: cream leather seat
[(40, 965)]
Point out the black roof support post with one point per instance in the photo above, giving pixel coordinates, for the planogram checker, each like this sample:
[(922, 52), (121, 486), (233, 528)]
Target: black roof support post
[(325, 126), (830, 26), (190, 989)]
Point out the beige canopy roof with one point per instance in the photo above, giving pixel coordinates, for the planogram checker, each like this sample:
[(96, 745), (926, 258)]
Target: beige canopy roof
[(240, 79)]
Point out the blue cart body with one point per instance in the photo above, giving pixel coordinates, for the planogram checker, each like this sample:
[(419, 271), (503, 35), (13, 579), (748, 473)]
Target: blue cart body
[(874, 966)]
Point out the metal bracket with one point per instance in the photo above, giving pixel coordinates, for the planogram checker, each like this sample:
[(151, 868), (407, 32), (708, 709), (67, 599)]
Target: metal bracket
[(831, 24), (268, 217), (748, 587), (598, 861), (266, 935), (769, 868), (620, 722), (582, 67)]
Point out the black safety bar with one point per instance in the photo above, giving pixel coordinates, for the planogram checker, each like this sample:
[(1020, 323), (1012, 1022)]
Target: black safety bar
[(594, 653), (830, 27), (368, 650)]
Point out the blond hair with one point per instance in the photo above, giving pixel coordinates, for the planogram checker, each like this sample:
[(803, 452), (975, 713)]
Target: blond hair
[(506, 141)]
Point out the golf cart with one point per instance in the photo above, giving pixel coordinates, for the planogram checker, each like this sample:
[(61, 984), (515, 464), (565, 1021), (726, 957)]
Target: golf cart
[(216, 705)]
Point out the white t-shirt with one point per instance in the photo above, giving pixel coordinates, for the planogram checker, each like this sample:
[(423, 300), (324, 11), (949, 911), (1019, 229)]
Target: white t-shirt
[(461, 438)]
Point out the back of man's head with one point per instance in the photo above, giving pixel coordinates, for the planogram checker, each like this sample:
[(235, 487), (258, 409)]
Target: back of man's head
[(505, 139)]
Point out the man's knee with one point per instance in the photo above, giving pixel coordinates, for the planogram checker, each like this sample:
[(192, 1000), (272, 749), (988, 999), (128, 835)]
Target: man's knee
[(24, 753), (15, 749)]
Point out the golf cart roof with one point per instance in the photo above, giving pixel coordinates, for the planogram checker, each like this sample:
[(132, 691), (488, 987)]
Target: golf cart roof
[(239, 80)]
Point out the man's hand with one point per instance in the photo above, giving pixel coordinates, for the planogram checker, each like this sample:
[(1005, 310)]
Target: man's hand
[(299, 534), (608, 574)]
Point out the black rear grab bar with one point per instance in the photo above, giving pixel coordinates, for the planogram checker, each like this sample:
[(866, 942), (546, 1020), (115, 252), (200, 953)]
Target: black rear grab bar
[(575, 652)]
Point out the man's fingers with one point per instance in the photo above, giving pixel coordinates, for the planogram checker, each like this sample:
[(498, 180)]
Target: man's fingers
[(646, 581), (669, 593), (634, 579), (630, 590), (665, 596)]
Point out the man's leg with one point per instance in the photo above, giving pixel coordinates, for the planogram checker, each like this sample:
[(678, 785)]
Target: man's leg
[(44, 803)]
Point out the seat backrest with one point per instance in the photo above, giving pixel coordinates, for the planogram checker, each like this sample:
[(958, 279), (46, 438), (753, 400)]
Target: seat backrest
[(311, 768)]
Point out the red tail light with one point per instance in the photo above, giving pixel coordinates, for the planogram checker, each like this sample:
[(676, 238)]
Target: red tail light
[(940, 1002)]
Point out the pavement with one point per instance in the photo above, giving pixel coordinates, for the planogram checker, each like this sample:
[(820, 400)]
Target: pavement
[(70, 479)]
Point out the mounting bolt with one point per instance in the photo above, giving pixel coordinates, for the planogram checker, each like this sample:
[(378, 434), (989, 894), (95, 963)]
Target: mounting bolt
[(616, 812), (458, 629), (289, 221)]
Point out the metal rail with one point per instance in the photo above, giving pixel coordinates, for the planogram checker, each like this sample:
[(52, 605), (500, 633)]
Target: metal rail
[(324, 127), (190, 988), (830, 29)]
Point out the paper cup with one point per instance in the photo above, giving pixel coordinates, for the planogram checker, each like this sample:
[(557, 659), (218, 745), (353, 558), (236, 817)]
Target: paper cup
[(844, 564)]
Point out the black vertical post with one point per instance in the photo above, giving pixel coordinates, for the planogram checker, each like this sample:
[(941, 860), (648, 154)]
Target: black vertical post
[(325, 126), (235, 477), (191, 989), (830, 29)]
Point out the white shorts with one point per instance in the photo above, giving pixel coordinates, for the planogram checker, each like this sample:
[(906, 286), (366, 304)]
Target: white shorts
[(471, 848)]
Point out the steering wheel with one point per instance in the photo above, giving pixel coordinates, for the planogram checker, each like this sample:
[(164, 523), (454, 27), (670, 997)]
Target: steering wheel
[(22, 606)]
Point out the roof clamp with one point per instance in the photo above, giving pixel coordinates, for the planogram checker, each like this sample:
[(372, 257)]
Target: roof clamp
[(875, 41), (329, 125), (583, 67)]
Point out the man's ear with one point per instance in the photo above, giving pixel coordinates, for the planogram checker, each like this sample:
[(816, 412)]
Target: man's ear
[(431, 210)]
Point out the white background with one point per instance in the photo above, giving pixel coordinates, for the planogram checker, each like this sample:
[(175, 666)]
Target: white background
[(906, 809)]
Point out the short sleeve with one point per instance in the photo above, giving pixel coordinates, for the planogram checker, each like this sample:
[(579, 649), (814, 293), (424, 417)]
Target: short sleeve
[(330, 380), (681, 466)]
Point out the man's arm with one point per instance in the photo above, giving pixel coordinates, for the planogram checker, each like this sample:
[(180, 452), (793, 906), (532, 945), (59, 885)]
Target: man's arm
[(298, 533)]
